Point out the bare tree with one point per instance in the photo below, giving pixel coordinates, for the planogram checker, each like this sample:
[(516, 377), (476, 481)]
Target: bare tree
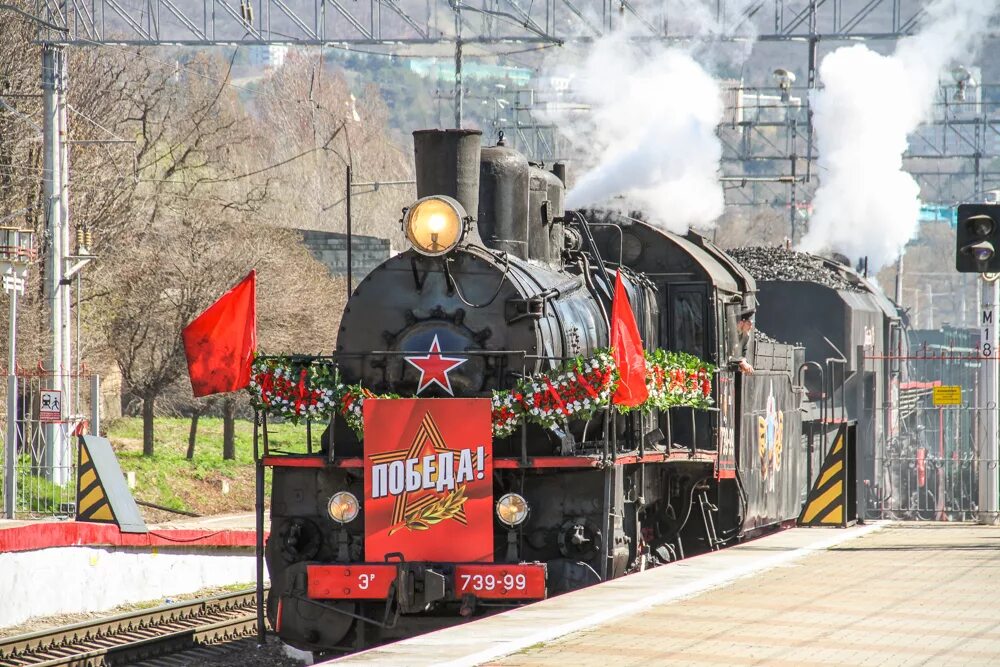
[(200, 223), (187, 187), (307, 107)]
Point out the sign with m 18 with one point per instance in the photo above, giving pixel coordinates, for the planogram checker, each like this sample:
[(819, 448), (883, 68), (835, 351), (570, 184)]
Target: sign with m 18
[(987, 324)]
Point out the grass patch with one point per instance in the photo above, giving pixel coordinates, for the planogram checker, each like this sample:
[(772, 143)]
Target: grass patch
[(168, 478), (534, 647), (207, 484), (38, 495)]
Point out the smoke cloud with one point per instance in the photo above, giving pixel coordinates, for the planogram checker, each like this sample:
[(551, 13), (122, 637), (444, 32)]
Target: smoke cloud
[(866, 204), (650, 132)]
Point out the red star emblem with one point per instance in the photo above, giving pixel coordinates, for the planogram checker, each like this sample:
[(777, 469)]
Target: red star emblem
[(434, 368)]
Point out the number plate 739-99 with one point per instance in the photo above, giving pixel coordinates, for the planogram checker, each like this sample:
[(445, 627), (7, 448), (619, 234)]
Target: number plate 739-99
[(513, 582)]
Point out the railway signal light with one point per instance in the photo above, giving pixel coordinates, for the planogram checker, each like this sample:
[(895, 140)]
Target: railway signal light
[(978, 238)]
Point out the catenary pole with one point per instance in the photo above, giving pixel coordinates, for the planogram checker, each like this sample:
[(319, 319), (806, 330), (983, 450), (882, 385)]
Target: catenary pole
[(348, 188), (10, 462), (459, 86), (53, 87), (65, 333)]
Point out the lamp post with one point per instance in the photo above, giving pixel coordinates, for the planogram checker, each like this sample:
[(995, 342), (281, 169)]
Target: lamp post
[(784, 78), (963, 79), (17, 250)]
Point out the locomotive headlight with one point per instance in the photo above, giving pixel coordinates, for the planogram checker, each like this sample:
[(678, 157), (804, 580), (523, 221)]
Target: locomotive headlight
[(434, 225), (512, 509), (343, 507)]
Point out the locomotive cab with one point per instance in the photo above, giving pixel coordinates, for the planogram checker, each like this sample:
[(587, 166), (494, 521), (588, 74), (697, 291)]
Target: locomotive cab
[(700, 293)]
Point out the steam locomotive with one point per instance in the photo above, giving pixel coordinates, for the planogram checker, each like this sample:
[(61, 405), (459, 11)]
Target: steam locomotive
[(428, 520)]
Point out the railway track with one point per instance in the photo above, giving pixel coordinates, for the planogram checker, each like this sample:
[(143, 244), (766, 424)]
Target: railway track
[(137, 636)]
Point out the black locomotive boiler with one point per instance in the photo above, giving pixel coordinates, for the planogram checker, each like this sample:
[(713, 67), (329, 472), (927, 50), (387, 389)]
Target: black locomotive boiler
[(503, 283)]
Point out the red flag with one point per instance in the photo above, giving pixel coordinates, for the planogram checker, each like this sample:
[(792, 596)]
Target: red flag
[(626, 348), (220, 342)]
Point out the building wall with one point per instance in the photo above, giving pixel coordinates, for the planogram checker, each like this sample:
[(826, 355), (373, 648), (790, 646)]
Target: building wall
[(269, 57), (331, 249)]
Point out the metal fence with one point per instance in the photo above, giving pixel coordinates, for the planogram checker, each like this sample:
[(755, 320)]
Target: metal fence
[(46, 463), (926, 436)]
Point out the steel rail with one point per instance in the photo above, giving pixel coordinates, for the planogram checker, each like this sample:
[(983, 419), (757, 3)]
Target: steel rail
[(138, 635)]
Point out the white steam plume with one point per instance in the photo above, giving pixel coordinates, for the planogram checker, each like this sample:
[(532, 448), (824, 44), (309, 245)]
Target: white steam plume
[(651, 134), (866, 204)]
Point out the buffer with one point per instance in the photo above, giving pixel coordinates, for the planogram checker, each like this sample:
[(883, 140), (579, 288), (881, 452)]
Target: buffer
[(102, 495), (831, 499)]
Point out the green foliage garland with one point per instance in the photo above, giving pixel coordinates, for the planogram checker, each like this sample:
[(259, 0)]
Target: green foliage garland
[(296, 388)]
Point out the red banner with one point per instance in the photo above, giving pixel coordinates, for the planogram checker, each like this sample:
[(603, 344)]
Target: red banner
[(429, 479)]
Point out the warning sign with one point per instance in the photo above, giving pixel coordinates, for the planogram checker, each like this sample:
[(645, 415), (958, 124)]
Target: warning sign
[(50, 406), (948, 395)]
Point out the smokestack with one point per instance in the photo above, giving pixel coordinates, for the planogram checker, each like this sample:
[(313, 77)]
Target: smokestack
[(559, 169), (447, 163)]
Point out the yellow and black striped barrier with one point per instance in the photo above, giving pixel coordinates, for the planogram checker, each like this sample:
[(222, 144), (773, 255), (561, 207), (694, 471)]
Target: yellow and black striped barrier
[(91, 501), (827, 502), (102, 495)]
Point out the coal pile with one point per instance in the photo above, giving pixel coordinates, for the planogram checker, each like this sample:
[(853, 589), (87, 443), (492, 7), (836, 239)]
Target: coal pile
[(777, 263), (762, 337)]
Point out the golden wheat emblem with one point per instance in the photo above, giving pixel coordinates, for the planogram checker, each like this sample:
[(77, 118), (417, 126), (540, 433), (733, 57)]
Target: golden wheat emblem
[(446, 507)]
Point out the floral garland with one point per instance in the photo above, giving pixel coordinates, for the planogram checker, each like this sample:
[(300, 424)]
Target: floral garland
[(507, 412), (576, 391), (294, 389), (677, 379), (351, 403)]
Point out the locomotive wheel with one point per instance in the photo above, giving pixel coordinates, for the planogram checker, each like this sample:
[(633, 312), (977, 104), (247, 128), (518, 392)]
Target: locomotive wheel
[(308, 626)]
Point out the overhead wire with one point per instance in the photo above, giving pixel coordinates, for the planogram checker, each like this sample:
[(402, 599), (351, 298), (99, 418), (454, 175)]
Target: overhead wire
[(100, 187), (263, 169), (176, 66), (254, 91), (348, 49), (214, 98), (93, 122), (312, 103)]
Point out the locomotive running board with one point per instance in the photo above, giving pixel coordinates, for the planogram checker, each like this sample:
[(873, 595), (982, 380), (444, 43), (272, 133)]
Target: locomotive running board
[(830, 501)]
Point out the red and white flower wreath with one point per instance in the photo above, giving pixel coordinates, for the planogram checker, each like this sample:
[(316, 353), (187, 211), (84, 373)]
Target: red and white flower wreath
[(302, 388)]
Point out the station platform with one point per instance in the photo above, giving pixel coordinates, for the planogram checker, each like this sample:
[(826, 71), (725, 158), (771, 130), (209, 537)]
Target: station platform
[(880, 594), (97, 566), (225, 530)]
